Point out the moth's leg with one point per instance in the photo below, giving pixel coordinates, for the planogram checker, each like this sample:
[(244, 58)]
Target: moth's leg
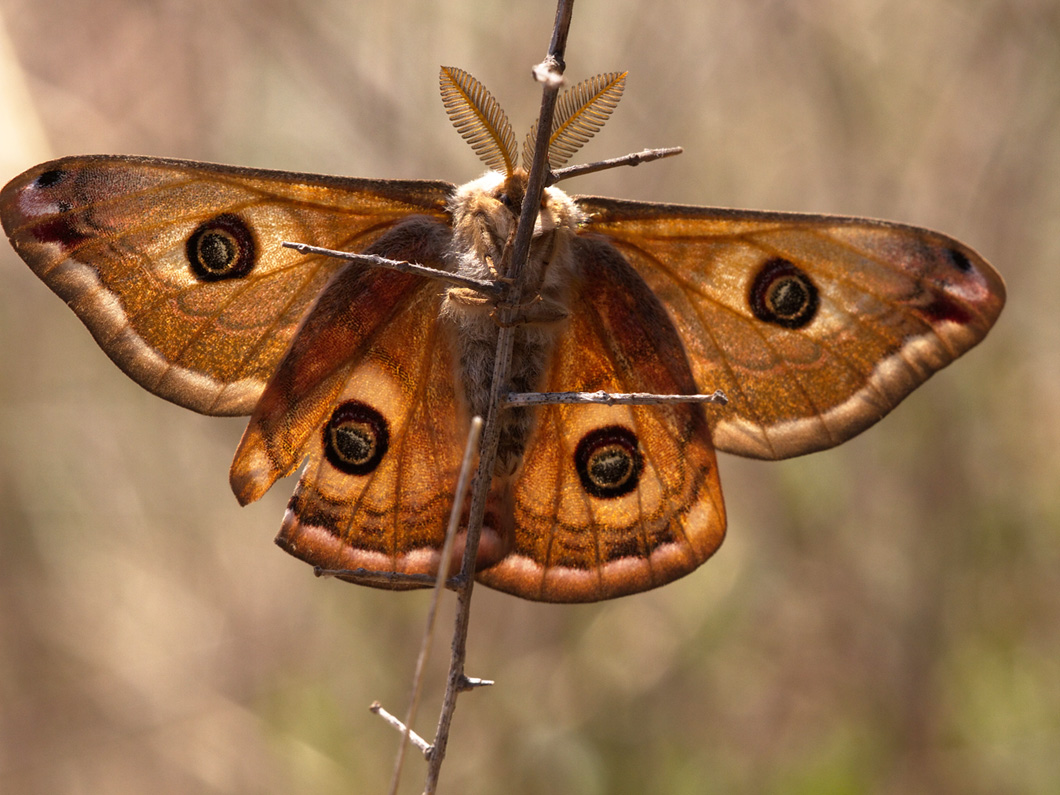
[(538, 311), (469, 297)]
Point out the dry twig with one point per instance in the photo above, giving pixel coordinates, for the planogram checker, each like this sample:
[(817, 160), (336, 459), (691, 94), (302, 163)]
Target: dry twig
[(407, 734), (550, 74), (488, 287)]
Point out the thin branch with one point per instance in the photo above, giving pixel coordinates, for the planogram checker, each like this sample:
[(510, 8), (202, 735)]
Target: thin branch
[(552, 68), (491, 288), (610, 398), (470, 451), (634, 159)]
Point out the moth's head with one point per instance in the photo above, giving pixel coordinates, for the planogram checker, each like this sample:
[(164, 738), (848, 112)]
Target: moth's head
[(485, 211), (494, 201)]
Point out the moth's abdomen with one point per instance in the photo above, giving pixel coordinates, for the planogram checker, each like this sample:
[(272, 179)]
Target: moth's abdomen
[(484, 219)]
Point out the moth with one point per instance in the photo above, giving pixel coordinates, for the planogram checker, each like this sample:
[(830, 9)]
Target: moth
[(813, 326)]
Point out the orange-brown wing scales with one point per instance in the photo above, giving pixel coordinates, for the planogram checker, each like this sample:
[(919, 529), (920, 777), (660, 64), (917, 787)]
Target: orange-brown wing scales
[(393, 517), (366, 395), (814, 327), (177, 268), (613, 500)]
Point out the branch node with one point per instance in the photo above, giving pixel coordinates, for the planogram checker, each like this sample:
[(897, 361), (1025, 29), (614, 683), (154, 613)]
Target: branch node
[(549, 73), (473, 682)]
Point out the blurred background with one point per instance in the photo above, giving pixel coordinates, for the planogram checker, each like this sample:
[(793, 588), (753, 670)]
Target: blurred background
[(883, 617)]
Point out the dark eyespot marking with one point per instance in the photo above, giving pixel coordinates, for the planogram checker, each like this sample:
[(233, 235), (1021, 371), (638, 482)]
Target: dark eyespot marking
[(784, 295), (222, 248), (356, 438), (609, 462), (959, 260), (49, 178)]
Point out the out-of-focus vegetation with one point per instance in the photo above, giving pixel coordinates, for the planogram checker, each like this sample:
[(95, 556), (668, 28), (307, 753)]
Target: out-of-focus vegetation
[(884, 617)]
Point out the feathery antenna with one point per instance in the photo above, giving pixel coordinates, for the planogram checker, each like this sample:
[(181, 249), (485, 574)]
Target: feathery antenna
[(479, 119), (580, 113)]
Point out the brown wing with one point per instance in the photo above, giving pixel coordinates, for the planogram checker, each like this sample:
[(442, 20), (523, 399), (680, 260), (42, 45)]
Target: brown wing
[(177, 268), (612, 500), (815, 327), (366, 394)]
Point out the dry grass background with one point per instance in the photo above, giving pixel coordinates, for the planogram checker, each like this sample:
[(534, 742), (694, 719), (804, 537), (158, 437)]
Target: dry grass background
[(884, 617)]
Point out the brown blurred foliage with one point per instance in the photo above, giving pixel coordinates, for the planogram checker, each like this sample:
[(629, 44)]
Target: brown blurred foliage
[(884, 617)]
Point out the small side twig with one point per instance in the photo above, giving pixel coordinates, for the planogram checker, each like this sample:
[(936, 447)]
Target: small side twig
[(491, 288), (473, 682), (394, 721), (610, 398), (634, 159)]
